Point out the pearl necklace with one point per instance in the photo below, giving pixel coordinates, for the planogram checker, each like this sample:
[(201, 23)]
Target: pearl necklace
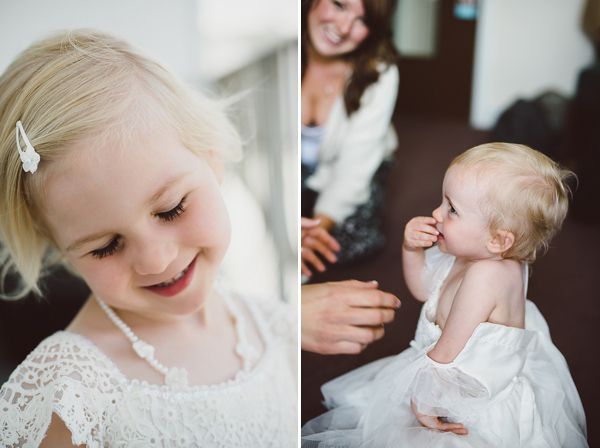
[(177, 377)]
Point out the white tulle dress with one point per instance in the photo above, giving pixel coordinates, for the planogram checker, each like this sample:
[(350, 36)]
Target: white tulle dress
[(68, 375), (509, 387)]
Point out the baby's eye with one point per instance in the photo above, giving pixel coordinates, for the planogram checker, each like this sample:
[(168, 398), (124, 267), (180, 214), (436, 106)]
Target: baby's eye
[(338, 4), (452, 210), (174, 213), (107, 250)]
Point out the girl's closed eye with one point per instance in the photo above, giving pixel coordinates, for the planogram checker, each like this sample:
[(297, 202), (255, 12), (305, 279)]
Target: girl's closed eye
[(338, 4), (174, 213), (107, 250), (114, 244)]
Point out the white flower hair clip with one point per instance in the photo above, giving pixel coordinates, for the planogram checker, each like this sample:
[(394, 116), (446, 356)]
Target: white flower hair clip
[(29, 157)]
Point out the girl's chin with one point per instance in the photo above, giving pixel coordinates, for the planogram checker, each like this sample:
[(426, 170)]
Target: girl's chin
[(190, 303)]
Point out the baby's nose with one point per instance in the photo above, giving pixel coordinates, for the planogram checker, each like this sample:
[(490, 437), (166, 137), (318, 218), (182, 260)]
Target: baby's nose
[(437, 214)]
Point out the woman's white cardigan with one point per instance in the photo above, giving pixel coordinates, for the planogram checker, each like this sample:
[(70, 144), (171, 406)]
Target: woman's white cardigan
[(353, 148)]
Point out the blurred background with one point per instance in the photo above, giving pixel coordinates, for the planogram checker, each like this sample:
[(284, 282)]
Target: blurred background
[(492, 70), (221, 48)]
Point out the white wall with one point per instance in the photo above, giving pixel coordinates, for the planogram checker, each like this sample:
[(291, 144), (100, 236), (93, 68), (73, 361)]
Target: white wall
[(166, 29), (234, 33), (524, 47)]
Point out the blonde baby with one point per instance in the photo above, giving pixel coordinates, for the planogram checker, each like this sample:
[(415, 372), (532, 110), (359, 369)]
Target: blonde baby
[(482, 370)]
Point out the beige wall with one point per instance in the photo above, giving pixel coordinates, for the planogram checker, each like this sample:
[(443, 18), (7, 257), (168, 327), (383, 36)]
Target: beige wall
[(524, 47)]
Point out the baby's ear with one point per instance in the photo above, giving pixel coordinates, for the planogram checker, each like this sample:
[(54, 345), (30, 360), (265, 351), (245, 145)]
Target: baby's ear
[(501, 242), (215, 160)]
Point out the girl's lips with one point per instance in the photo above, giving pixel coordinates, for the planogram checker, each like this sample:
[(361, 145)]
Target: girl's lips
[(172, 288)]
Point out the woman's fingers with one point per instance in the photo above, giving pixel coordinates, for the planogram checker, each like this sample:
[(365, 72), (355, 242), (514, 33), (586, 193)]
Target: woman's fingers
[(326, 238), (309, 256), (369, 316), (319, 246), (360, 335), (307, 223), (305, 270), (371, 298)]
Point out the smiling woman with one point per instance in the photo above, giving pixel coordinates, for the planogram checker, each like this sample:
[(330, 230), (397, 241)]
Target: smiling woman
[(349, 88)]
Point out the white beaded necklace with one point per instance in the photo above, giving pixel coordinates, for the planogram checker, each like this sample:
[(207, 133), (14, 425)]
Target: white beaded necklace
[(177, 377)]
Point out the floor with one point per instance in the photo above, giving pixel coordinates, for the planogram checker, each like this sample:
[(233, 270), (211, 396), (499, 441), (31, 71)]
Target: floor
[(563, 284)]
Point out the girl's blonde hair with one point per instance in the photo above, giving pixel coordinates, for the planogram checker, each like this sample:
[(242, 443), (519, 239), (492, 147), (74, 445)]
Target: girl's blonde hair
[(68, 87), (526, 193)]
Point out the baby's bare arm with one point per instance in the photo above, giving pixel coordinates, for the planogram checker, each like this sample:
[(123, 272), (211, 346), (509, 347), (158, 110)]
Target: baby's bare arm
[(483, 287), (420, 233)]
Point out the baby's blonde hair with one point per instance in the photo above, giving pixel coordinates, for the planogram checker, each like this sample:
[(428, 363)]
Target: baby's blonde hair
[(71, 86), (526, 193)]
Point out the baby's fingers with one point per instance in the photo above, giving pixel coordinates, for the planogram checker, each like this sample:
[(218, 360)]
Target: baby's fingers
[(420, 232), (422, 224), (424, 219), (456, 428)]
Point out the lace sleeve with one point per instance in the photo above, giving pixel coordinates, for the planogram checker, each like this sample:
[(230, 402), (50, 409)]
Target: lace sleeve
[(67, 376)]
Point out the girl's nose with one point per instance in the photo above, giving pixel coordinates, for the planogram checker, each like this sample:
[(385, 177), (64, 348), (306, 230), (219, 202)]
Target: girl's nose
[(437, 214), (153, 256)]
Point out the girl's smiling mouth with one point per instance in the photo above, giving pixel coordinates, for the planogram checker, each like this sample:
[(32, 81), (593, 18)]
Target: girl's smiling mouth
[(176, 284)]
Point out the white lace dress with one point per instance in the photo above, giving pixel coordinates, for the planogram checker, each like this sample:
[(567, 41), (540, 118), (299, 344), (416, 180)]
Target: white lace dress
[(68, 375), (510, 387)]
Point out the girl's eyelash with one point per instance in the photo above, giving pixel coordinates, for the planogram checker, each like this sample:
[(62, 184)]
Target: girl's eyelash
[(112, 247), (107, 250), (174, 213)]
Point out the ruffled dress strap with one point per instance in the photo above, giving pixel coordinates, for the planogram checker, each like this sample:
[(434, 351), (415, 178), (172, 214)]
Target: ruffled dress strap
[(437, 267), (66, 375)]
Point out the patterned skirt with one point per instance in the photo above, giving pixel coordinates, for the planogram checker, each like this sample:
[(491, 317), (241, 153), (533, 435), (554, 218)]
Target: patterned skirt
[(360, 234)]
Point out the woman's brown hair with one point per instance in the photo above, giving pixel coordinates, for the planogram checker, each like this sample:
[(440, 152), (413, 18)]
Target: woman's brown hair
[(376, 48)]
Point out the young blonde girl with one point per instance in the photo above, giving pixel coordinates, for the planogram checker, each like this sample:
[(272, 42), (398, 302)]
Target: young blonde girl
[(481, 370), (112, 166)]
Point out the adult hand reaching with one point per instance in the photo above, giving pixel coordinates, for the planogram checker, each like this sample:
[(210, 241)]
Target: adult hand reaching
[(344, 317), (316, 239)]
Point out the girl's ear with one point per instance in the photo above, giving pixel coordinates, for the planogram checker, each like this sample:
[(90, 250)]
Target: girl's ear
[(215, 160), (501, 242)]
